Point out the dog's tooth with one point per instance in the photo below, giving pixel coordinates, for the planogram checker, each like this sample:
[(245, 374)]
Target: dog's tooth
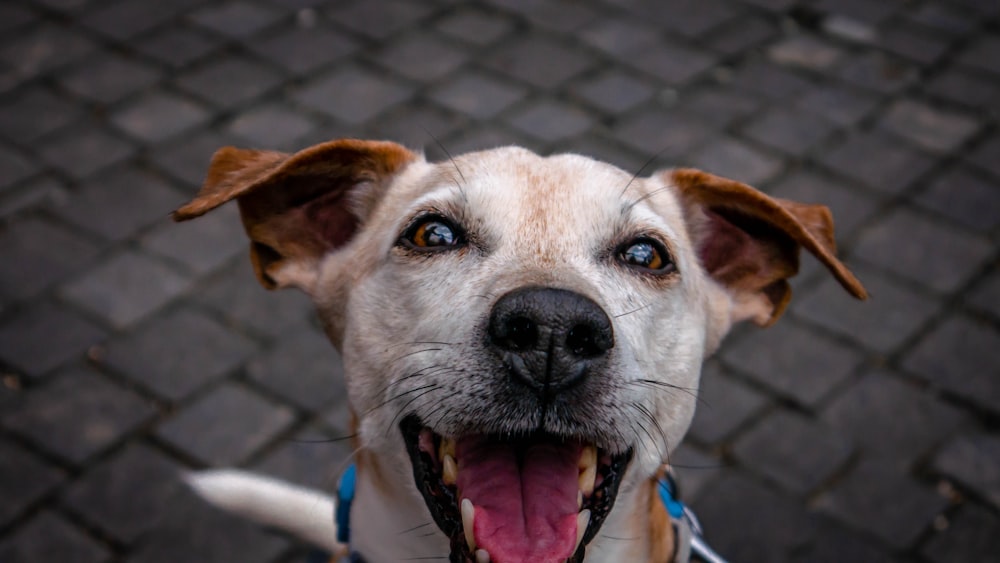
[(468, 518), (588, 477), (588, 457), (579, 500), (449, 472), (482, 556), (447, 447), (582, 521)]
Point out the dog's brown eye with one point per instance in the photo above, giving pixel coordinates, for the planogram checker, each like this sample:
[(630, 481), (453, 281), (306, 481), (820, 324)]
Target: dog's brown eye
[(646, 254), (432, 233)]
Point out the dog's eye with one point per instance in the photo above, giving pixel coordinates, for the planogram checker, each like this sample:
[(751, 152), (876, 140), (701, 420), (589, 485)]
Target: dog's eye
[(646, 254), (432, 233)]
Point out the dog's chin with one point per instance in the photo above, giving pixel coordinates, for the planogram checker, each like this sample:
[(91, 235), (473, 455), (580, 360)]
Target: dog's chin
[(534, 497)]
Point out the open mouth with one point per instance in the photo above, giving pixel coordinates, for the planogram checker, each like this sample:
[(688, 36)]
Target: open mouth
[(535, 497)]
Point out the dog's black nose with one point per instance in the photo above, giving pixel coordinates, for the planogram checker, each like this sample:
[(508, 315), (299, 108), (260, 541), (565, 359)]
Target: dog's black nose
[(550, 337)]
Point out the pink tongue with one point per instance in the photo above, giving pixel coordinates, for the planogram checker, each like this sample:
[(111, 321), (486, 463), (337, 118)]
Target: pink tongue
[(525, 504)]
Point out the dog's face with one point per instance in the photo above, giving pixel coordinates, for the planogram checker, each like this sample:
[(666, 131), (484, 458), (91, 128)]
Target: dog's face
[(522, 336)]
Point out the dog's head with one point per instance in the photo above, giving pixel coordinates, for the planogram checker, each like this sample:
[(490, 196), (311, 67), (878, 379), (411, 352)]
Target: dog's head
[(522, 336)]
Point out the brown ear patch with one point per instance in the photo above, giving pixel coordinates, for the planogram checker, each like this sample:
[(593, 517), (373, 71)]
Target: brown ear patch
[(298, 206), (749, 241)]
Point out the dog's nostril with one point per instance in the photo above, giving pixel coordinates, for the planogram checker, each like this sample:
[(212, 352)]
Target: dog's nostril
[(584, 341), (522, 333)]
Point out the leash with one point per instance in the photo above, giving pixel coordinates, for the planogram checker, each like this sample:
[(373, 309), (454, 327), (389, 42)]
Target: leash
[(687, 528)]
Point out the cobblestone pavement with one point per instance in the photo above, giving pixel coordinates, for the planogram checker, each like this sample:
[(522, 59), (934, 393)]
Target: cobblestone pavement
[(132, 348)]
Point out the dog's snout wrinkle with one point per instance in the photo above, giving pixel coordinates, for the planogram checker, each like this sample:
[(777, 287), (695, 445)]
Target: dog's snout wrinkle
[(550, 338)]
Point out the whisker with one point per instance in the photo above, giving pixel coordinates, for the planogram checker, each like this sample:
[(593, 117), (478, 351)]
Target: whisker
[(647, 196), (636, 310), (461, 188), (415, 528), (642, 168)]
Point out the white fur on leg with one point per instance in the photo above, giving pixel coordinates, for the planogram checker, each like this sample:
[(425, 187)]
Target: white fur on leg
[(305, 513)]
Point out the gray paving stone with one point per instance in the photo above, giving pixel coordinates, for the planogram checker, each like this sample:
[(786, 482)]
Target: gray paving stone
[(806, 51), (236, 19), (474, 25), (237, 295), (44, 337), (834, 544), (561, 16), (126, 287), (23, 480), (477, 94), (273, 126), (793, 361), (876, 497), (119, 203), (986, 295), (44, 252), (228, 82), (614, 91), (850, 208), (36, 193), (15, 166), (489, 136), (973, 535), (353, 94), (312, 458), (190, 530), (126, 19), (188, 158), (421, 57), (50, 538), (419, 126), (974, 461), (969, 89), (225, 426), (892, 419), (550, 121), (303, 368), (942, 18), (964, 196), (902, 242), (619, 35), (203, 245), (719, 106), (892, 314), (694, 471), (725, 405), (734, 159), (35, 111), (686, 17), (305, 50), (109, 78), (44, 48), (159, 116), (672, 63), (667, 134), (84, 150), (987, 155), (14, 17), (840, 104), (178, 46), (983, 54), (740, 35), (607, 151), (76, 416), (176, 355), (929, 128), (858, 9), (793, 132), (957, 356), (778, 526), (795, 453), (770, 81), (537, 60), (913, 42), (126, 495), (381, 20), (877, 161), (878, 72)]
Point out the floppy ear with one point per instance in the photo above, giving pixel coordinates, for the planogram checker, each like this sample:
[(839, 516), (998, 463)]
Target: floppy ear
[(295, 208), (749, 242)]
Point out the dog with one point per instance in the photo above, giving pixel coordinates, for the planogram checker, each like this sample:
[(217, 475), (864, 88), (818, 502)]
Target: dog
[(522, 336)]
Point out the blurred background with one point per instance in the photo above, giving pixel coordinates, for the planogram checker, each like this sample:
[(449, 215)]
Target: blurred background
[(132, 348)]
